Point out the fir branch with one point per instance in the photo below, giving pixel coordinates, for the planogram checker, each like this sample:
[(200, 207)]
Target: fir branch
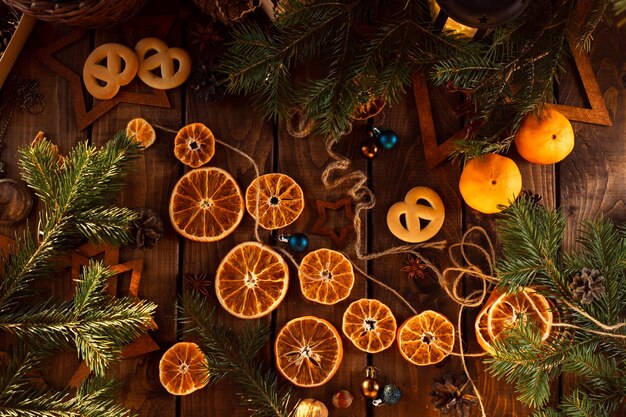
[(531, 243), (94, 398), (229, 355), (80, 186), (98, 327), (619, 7)]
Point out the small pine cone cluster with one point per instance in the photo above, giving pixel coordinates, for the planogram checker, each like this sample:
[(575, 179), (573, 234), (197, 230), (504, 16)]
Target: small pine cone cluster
[(588, 285), (147, 228)]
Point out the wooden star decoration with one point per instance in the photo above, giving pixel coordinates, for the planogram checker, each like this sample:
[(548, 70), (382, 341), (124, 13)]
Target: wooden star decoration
[(143, 344), (319, 227), (436, 153), (84, 117)]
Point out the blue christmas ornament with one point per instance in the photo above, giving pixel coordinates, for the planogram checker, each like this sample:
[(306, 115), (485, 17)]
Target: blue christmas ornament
[(386, 139), (298, 242)]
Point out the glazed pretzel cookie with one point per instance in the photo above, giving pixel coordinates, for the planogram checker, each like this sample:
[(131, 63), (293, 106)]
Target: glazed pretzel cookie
[(163, 58), (413, 212), (111, 75)]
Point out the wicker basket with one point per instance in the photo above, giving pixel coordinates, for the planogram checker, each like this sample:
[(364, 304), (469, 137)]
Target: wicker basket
[(85, 13)]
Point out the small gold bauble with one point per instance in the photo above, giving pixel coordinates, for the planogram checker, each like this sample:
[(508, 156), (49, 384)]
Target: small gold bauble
[(311, 407), (370, 387)]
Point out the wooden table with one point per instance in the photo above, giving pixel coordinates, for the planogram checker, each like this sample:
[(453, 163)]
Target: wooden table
[(589, 183)]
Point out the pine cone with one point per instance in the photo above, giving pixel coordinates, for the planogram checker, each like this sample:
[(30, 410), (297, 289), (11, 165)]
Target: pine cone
[(204, 82), (147, 228), (227, 11), (448, 396), (588, 285), (531, 196)]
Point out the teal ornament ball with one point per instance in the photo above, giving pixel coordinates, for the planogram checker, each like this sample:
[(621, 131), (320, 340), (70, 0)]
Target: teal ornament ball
[(298, 242), (386, 139)]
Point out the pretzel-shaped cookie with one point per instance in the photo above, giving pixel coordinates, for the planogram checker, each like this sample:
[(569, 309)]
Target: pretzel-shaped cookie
[(112, 74), (413, 212), (164, 60)]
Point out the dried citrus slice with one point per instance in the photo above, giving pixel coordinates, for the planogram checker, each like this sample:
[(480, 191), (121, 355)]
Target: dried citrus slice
[(371, 108), (142, 131), (326, 276), (251, 280), (206, 205), (194, 145), (426, 339), (308, 351), (183, 369), (509, 308), (370, 325), (280, 200)]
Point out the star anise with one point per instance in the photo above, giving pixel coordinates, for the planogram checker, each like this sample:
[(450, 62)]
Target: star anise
[(449, 396), (198, 283), (204, 36), (415, 267)]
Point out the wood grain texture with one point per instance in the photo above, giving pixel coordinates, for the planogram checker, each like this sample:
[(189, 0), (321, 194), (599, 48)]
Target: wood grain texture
[(593, 177), (232, 121), (304, 160), (589, 183), (148, 186), (393, 175)]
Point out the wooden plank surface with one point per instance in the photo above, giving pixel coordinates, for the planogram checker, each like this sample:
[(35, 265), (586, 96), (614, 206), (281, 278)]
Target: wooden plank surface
[(589, 183)]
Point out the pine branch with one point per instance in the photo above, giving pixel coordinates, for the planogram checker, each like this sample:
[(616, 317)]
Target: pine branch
[(98, 327), (78, 186), (531, 243), (619, 7), (229, 355)]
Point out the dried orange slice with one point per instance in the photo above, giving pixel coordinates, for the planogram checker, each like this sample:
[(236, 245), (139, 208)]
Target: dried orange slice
[(326, 276), (280, 200), (183, 369), (141, 131), (371, 108), (308, 351), (206, 205), (505, 311), (194, 145), (426, 339), (370, 325), (251, 280)]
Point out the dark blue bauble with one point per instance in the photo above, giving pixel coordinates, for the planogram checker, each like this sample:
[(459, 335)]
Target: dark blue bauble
[(298, 242), (387, 139), (391, 394)]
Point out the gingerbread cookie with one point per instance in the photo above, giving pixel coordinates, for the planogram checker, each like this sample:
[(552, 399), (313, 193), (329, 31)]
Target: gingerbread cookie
[(111, 75), (163, 58), (413, 211)]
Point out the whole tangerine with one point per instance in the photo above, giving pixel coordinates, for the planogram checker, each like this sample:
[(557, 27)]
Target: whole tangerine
[(546, 139), (489, 182)]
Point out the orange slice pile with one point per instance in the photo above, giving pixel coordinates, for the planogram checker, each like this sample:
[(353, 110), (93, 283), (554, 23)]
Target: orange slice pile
[(281, 200), (326, 276), (308, 351), (503, 311), (183, 369), (194, 145), (251, 280), (426, 339), (370, 325), (206, 205), (141, 131)]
